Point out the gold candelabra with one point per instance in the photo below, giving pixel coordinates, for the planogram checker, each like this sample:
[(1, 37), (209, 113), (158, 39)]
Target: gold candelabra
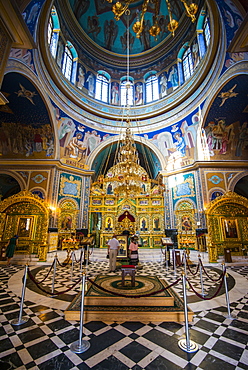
[(119, 8)]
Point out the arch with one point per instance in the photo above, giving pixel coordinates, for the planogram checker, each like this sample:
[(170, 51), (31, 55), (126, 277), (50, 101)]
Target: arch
[(18, 67), (24, 195), (151, 84), (187, 64), (68, 203), (16, 176), (53, 31), (180, 204), (217, 192), (234, 71), (201, 29), (227, 224), (127, 90), (236, 179), (69, 63), (68, 210), (115, 139), (26, 215), (102, 86), (40, 192)]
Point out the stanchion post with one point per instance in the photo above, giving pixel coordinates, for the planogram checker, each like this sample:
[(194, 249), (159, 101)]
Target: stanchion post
[(166, 257), (22, 320), (81, 260), (185, 264), (174, 263), (72, 263), (186, 345), (201, 278), (87, 256), (229, 315), (54, 273), (81, 345)]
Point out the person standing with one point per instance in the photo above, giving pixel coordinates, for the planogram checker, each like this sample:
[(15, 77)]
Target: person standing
[(133, 252), (11, 248), (113, 247)]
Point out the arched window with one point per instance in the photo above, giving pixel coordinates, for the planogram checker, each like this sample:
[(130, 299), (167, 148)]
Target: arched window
[(151, 83), (206, 31), (187, 64), (127, 88), (69, 65), (203, 32), (53, 30), (50, 30), (102, 86)]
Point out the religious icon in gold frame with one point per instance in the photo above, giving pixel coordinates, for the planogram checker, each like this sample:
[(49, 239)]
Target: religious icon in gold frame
[(25, 227), (123, 240), (230, 228)]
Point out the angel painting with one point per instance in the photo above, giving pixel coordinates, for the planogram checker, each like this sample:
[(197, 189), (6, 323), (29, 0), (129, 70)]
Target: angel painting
[(93, 26), (110, 33)]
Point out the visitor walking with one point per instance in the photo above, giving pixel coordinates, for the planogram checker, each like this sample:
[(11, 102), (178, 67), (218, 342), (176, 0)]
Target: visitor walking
[(113, 247), (11, 248)]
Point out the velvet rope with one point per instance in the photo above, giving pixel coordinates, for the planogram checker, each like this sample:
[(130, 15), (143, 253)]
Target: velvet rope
[(50, 293), (75, 260), (81, 252), (64, 264), (197, 269), (200, 296), (215, 280), (39, 282), (133, 296)]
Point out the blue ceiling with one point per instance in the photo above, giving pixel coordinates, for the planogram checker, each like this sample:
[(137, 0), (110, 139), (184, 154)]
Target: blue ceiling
[(97, 20)]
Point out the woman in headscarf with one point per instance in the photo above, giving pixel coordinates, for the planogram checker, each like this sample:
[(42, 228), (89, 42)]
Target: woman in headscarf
[(11, 248)]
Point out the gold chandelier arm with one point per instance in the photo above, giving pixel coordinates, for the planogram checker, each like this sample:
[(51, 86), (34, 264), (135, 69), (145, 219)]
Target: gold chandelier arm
[(173, 24), (191, 10), (155, 29), (118, 9), (138, 26)]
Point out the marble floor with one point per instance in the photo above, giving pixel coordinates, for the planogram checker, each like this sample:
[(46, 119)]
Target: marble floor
[(43, 342)]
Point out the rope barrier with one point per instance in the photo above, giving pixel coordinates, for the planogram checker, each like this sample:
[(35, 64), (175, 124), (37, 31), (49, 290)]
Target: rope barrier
[(81, 254), (50, 293), (133, 296), (37, 283), (197, 269), (63, 264), (47, 274), (200, 296), (215, 280)]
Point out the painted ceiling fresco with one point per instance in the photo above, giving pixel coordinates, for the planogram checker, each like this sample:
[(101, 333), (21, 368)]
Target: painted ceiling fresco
[(97, 20), (226, 125), (25, 125)]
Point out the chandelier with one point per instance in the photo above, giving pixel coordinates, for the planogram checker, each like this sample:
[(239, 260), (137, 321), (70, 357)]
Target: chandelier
[(127, 176), (119, 8)]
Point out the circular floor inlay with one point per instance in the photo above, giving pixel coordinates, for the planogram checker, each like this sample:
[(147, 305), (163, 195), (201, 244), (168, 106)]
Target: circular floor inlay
[(143, 284)]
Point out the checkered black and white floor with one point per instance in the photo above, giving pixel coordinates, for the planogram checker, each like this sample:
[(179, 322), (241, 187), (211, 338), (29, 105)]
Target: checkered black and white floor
[(44, 341)]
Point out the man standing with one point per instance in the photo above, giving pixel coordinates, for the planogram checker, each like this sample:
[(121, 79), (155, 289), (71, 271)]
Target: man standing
[(113, 247)]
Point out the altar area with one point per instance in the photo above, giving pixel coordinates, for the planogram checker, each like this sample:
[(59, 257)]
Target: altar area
[(127, 201)]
